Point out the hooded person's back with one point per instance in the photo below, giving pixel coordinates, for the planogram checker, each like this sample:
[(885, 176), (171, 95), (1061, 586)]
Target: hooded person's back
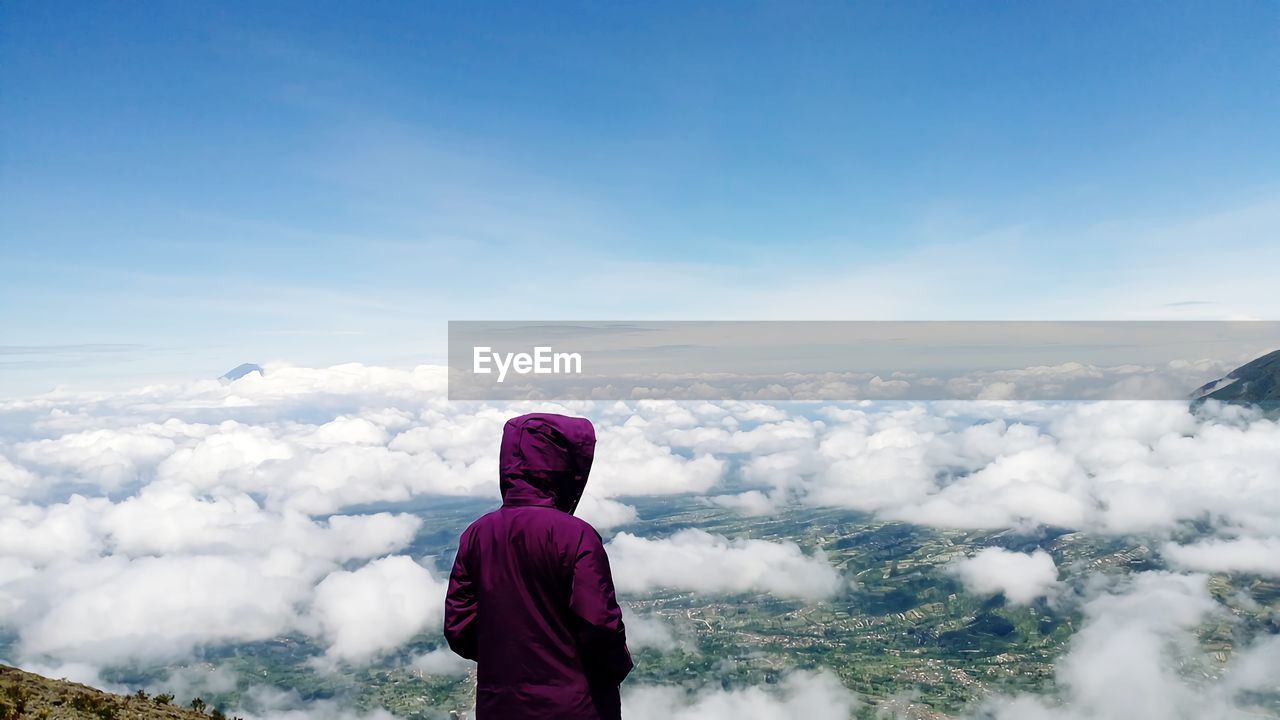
[(531, 597)]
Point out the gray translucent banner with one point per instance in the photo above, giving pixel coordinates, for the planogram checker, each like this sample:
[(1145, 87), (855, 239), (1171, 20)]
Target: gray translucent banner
[(841, 361)]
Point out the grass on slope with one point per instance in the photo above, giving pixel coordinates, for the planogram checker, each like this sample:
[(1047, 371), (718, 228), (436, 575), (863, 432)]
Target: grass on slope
[(27, 696)]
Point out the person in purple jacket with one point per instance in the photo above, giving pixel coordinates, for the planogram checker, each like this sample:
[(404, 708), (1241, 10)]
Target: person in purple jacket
[(531, 598)]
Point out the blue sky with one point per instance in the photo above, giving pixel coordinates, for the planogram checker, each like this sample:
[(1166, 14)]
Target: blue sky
[(186, 186)]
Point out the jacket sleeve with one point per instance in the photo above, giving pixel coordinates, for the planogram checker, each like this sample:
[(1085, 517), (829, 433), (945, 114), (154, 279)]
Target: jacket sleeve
[(461, 608), (601, 635)]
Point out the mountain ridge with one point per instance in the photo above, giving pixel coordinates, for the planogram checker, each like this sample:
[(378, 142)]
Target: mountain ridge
[(1257, 382)]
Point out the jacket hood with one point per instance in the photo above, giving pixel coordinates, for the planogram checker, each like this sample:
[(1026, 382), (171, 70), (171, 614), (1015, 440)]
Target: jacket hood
[(545, 460)]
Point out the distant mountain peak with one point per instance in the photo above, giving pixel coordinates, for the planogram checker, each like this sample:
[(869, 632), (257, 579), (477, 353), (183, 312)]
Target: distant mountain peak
[(1257, 382), (240, 371)]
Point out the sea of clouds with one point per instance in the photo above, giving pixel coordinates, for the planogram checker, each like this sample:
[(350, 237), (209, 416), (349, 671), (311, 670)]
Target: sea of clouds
[(139, 526)]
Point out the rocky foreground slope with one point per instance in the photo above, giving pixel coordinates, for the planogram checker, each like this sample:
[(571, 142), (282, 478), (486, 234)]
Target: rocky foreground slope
[(27, 696)]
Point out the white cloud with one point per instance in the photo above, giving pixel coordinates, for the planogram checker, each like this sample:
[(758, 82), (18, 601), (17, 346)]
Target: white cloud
[(1248, 555), (199, 680), (77, 672), (1037, 486), (159, 607), (1123, 663), (104, 456), (604, 513), (697, 560), (1021, 577), (377, 435), (377, 608), (809, 695), (268, 703), (441, 661), (16, 481), (650, 631), (64, 531), (343, 430), (752, 503), (627, 462), (1115, 467), (782, 433)]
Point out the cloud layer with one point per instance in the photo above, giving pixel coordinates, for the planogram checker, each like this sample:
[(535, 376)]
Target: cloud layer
[(697, 560), (1124, 662), (1020, 577), (213, 513), (814, 696)]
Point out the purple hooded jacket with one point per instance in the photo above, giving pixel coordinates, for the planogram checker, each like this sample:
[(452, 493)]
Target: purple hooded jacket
[(531, 597)]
